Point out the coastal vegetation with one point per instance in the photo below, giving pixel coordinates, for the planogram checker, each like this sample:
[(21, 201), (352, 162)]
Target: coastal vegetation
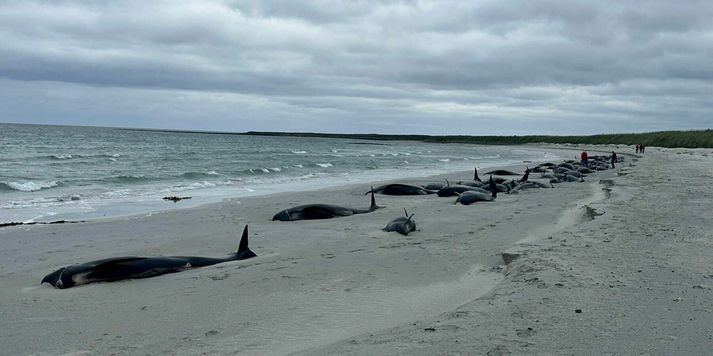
[(687, 139)]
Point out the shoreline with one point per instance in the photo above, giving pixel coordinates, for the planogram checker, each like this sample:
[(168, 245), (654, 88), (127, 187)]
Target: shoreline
[(310, 277), (208, 196)]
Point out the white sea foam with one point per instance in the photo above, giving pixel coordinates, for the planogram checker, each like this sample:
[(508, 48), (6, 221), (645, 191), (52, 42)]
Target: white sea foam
[(325, 165), (31, 186), (445, 160), (299, 152), (276, 169), (203, 184), (62, 156)]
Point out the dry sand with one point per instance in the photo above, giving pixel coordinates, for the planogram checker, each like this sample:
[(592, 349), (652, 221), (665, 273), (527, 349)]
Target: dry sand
[(641, 274)]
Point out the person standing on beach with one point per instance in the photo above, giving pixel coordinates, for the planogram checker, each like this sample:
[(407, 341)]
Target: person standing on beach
[(637, 148), (641, 148), (613, 158), (585, 159)]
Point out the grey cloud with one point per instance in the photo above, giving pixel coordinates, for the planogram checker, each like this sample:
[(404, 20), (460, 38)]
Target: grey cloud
[(534, 66)]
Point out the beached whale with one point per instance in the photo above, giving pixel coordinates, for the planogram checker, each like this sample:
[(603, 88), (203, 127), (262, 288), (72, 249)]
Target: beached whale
[(401, 189), (435, 186), (403, 224), (474, 183), (470, 197), (454, 190), (322, 211), (119, 268), (503, 172), (529, 185)]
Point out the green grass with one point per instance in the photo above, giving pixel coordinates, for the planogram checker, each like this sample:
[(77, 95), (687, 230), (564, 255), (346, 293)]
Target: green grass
[(688, 139)]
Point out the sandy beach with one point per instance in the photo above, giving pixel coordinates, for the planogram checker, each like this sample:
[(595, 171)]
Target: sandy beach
[(618, 264)]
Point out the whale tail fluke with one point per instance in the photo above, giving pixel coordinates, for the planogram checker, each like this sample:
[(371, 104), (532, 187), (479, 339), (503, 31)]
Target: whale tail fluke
[(243, 249), (457, 199), (493, 187)]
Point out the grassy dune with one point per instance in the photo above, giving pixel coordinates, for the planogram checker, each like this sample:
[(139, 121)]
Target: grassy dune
[(689, 139)]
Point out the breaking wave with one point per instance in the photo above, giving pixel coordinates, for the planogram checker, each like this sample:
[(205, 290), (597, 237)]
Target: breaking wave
[(28, 186)]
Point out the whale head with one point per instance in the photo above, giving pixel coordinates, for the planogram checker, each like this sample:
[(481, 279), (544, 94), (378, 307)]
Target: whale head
[(58, 279)]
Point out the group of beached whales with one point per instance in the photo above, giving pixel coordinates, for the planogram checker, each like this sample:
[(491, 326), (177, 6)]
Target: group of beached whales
[(466, 193)]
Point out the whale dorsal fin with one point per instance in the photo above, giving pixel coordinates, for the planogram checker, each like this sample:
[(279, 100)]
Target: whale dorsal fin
[(243, 249), (409, 218), (373, 201)]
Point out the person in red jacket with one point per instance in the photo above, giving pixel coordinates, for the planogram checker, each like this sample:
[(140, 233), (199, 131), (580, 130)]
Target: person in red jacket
[(585, 159)]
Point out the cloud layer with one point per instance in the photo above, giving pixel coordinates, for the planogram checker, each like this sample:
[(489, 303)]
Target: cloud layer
[(435, 67)]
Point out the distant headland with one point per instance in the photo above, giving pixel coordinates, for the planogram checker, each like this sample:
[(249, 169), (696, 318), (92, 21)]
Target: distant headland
[(687, 139)]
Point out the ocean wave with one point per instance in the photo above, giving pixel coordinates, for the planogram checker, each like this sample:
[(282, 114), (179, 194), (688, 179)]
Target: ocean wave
[(61, 156), (444, 160), (203, 184), (28, 186), (486, 157), (325, 165), (129, 179), (299, 152), (197, 175), (257, 170)]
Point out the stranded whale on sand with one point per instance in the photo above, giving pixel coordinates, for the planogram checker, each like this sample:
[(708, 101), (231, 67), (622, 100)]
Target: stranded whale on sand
[(403, 224), (322, 211), (118, 268), (401, 189)]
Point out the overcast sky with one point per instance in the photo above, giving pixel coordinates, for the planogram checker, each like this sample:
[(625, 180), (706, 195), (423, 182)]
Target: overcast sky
[(384, 66)]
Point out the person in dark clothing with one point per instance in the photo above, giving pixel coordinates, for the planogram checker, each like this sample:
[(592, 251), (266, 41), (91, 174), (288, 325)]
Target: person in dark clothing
[(637, 147), (641, 148), (613, 158), (585, 159)]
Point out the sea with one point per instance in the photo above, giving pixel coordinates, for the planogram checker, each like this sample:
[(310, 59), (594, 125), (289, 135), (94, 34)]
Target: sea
[(50, 173)]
